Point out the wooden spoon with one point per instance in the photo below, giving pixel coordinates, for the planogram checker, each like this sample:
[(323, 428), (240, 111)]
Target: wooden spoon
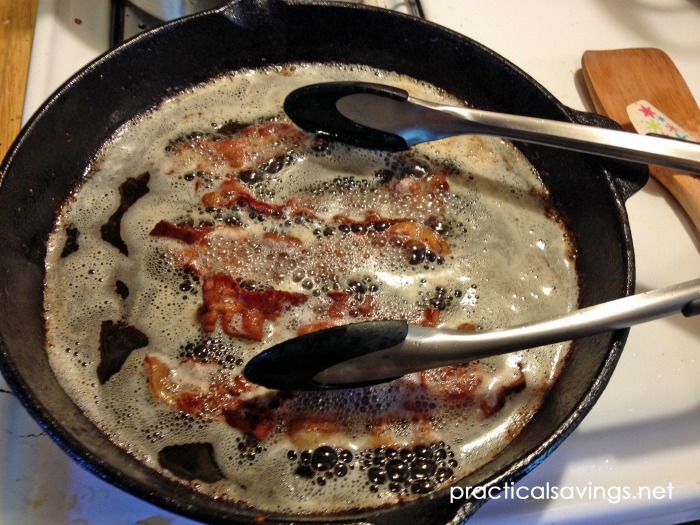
[(16, 32), (619, 77)]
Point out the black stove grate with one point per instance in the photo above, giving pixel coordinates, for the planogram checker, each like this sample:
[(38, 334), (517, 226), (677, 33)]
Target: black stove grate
[(128, 20)]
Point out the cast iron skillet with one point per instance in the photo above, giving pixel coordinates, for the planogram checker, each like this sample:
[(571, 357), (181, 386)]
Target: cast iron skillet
[(52, 153)]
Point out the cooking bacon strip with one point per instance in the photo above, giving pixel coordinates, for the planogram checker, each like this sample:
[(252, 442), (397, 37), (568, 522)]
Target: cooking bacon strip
[(195, 234), (424, 236), (186, 234), (242, 312), (372, 218), (188, 399), (409, 234), (232, 193), (256, 144), (232, 398), (248, 149), (460, 383), (452, 382), (496, 401), (342, 312), (278, 240), (406, 232), (338, 312), (425, 194), (390, 430), (429, 186), (431, 317)]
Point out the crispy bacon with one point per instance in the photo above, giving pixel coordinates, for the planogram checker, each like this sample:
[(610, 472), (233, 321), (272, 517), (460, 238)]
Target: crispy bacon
[(225, 299), (431, 317), (185, 397), (400, 229), (410, 186), (306, 432), (254, 417), (275, 239), (338, 312), (469, 381), (218, 249), (232, 398), (339, 304), (495, 402), (249, 148), (409, 234), (405, 232), (432, 185), (256, 144), (425, 193), (438, 184), (372, 218), (452, 382), (232, 193), (389, 430), (241, 312), (315, 327), (186, 234)]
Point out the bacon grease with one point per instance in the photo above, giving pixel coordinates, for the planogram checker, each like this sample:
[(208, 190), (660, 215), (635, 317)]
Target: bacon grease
[(457, 233)]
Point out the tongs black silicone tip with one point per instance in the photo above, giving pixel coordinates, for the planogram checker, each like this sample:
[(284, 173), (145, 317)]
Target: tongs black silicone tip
[(293, 364), (314, 109)]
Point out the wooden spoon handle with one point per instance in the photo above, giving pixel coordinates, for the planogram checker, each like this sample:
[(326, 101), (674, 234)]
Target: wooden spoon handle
[(16, 32), (685, 189), (616, 78)]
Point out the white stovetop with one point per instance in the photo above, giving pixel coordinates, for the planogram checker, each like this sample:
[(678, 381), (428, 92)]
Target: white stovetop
[(645, 430)]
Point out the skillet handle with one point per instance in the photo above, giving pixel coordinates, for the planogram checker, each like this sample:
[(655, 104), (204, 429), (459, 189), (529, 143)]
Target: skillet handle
[(469, 508), (630, 177)]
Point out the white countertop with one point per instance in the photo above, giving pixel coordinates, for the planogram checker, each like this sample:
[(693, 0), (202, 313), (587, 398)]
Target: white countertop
[(645, 430)]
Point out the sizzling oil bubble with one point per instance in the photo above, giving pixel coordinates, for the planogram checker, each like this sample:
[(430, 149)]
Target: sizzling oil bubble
[(509, 262)]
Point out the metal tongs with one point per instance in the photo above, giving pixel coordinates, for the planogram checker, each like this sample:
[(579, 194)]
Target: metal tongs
[(377, 116), (374, 352), (383, 117)]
